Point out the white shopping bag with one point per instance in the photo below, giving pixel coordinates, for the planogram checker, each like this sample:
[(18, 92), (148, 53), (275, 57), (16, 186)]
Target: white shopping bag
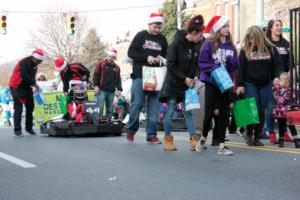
[(153, 78)]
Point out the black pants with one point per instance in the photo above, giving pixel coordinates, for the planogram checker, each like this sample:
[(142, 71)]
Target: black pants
[(282, 126), (213, 96), (18, 109)]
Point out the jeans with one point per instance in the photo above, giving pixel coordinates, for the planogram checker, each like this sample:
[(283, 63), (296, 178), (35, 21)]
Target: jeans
[(107, 98), (262, 95), (269, 119), (189, 120), (138, 97)]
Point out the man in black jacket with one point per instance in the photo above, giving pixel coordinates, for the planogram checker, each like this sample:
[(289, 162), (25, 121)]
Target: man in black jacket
[(22, 85), (106, 80), (71, 72), (146, 49)]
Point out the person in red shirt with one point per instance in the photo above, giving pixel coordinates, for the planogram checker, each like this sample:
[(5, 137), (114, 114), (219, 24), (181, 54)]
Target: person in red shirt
[(22, 85)]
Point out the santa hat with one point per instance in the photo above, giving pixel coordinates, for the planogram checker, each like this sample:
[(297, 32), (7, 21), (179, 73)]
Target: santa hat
[(60, 64), (112, 53), (215, 24), (39, 54), (156, 18)]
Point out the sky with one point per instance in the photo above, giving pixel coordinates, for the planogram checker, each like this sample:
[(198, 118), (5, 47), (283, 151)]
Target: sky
[(109, 24)]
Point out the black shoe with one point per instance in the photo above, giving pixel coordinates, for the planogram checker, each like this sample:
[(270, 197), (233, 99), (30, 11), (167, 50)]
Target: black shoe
[(31, 131), (281, 142), (297, 142), (19, 133), (242, 130)]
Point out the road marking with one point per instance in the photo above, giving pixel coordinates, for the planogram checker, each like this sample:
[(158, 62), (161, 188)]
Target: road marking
[(16, 161), (241, 145)]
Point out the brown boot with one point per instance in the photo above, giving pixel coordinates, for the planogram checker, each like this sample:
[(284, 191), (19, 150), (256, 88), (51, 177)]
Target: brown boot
[(168, 143), (249, 135), (258, 130), (194, 140)]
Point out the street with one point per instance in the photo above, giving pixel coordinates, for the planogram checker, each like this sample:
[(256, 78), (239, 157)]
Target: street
[(100, 168)]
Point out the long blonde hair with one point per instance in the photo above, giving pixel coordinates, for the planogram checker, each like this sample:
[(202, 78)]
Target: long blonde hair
[(260, 41), (216, 41)]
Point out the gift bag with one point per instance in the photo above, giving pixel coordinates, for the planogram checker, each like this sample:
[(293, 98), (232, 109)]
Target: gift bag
[(222, 78), (153, 78), (63, 104), (245, 112), (191, 99), (39, 97)]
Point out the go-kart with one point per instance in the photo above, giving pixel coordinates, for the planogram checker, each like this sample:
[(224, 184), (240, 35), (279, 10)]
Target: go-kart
[(92, 125)]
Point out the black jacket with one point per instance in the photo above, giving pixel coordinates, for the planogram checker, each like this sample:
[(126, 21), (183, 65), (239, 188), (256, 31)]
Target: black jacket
[(75, 71), (107, 76), (23, 77), (181, 63), (259, 70), (142, 46), (283, 48)]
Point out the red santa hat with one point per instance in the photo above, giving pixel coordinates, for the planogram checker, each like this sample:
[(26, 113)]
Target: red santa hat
[(112, 53), (215, 24), (39, 54), (60, 64), (156, 18)]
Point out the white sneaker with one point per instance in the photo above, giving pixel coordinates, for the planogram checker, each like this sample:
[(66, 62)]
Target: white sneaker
[(201, 146), (225, 152)]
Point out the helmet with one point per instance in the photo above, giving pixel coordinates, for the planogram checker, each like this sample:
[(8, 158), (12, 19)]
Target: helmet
[(80, 91)]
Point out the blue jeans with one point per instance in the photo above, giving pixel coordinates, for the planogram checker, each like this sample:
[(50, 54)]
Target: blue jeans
[(107, 98), (269, 119), (171, 102), (262, 95), (138, 96)]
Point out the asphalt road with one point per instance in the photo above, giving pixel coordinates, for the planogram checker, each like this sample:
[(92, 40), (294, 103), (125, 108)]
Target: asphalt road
[(108, 168)]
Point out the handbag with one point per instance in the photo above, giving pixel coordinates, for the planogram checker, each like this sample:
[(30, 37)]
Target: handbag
[(153, 78), (245, 112), (191, 99), (222, 78)]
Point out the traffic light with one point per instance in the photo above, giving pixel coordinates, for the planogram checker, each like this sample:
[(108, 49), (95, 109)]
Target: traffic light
[(3, 25), (71, 25)]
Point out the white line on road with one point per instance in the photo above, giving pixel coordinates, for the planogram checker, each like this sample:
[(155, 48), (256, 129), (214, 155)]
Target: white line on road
[(16, 161)]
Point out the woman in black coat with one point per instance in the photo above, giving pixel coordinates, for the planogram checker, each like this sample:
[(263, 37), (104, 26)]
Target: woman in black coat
[(182, 73)]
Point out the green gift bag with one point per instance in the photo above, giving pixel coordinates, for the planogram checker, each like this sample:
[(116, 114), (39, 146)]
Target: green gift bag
[(245, 112), (63, 104)]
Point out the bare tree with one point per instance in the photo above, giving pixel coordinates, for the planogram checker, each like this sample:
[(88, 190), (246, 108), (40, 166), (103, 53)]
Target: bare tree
[(53, 38), (93, 49)]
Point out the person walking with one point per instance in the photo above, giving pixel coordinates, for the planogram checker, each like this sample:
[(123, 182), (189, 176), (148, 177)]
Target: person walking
[(145, 50), (260, 64), (274, 34), (182, 73), (217, 51)]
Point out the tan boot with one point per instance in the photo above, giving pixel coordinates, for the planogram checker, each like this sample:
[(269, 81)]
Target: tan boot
[(168, 143), (194, 140)]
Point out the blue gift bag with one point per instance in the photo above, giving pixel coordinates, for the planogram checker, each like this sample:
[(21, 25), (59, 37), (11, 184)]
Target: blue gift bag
[(39, 97), (191, 99), (222, 78)]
